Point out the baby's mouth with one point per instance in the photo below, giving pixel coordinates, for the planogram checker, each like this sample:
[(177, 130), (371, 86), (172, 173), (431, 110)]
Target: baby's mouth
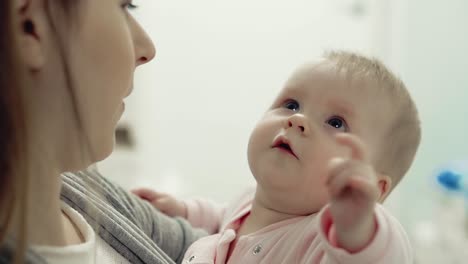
[(283, 144)]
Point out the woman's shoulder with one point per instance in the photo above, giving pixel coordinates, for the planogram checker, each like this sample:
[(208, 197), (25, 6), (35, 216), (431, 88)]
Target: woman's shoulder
[(109, 210), (130, 225)]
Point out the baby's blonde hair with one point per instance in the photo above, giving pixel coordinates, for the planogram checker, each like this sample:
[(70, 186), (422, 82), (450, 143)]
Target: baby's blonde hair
[(402, 138)]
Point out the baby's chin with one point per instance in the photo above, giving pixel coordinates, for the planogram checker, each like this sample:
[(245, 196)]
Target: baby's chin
[(309, 207), (309, 211), (296, 209)]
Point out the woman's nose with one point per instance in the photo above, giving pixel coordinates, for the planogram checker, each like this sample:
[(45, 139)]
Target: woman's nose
[(144, 46)]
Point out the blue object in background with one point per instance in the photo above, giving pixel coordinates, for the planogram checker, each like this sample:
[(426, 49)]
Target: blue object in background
[(452, 181), (454, 177)]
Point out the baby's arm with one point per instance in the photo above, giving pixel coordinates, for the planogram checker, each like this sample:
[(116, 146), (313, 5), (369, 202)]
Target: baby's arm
[(353, 226), (354, 191), (199, 212)]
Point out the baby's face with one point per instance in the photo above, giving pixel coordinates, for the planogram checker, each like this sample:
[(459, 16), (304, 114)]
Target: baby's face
[(291, 145)]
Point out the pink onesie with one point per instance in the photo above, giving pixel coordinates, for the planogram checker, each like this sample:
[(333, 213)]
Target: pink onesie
[(298, 240)]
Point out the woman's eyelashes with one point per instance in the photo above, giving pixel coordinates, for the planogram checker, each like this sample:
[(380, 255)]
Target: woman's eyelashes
[(128, 4), (338, 123), (292, 105)]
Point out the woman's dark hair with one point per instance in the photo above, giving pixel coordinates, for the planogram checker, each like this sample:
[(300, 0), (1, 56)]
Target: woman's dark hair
[(13, 176), (14, 169)]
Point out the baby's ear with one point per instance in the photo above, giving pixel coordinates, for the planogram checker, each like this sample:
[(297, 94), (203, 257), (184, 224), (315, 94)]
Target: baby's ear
[(385, 185)]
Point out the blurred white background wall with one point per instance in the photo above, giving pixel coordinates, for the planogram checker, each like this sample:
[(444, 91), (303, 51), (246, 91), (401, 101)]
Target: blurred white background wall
[(429, 47), (219, 64), (433, 60)]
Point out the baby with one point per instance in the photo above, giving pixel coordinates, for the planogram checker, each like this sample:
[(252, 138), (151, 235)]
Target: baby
[(339, 137)]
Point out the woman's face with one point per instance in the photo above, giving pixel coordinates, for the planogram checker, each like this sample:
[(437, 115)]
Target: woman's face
[(101, 45), (108, 44)]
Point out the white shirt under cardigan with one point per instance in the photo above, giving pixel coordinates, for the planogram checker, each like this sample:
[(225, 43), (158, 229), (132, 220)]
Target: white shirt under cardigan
[(92, 250)]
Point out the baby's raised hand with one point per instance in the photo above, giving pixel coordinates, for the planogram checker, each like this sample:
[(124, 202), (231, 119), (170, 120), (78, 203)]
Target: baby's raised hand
[(164, 202), (354, 191)]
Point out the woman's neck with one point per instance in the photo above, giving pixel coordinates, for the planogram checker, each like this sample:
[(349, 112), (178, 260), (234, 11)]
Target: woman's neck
[(46, 224)]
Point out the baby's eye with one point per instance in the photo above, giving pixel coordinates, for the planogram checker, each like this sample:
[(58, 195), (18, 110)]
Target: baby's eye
[(338, 123), (292, 105)]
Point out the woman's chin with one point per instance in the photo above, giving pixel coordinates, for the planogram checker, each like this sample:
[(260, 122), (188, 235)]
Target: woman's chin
[(98, 154), (104, 152)]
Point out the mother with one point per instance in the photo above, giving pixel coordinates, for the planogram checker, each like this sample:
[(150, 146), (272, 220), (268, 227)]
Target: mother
[(65, 68)]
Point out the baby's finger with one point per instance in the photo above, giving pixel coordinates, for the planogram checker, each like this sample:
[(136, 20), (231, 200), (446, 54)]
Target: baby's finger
[(336, 166), (362, 179), (357, 147), (337, 182), (352, 175), (164, 203), (147, 194), (366, 186), (171, 206)]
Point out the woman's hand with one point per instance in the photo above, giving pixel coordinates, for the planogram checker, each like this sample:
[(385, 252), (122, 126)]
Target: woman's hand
[(164, 202)]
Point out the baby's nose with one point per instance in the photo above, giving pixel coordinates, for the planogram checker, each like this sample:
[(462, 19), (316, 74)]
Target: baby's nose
[(299, 122)]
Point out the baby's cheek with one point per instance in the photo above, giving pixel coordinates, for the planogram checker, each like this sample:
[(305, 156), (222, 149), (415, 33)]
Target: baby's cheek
[(318, 183), (319, 199)]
